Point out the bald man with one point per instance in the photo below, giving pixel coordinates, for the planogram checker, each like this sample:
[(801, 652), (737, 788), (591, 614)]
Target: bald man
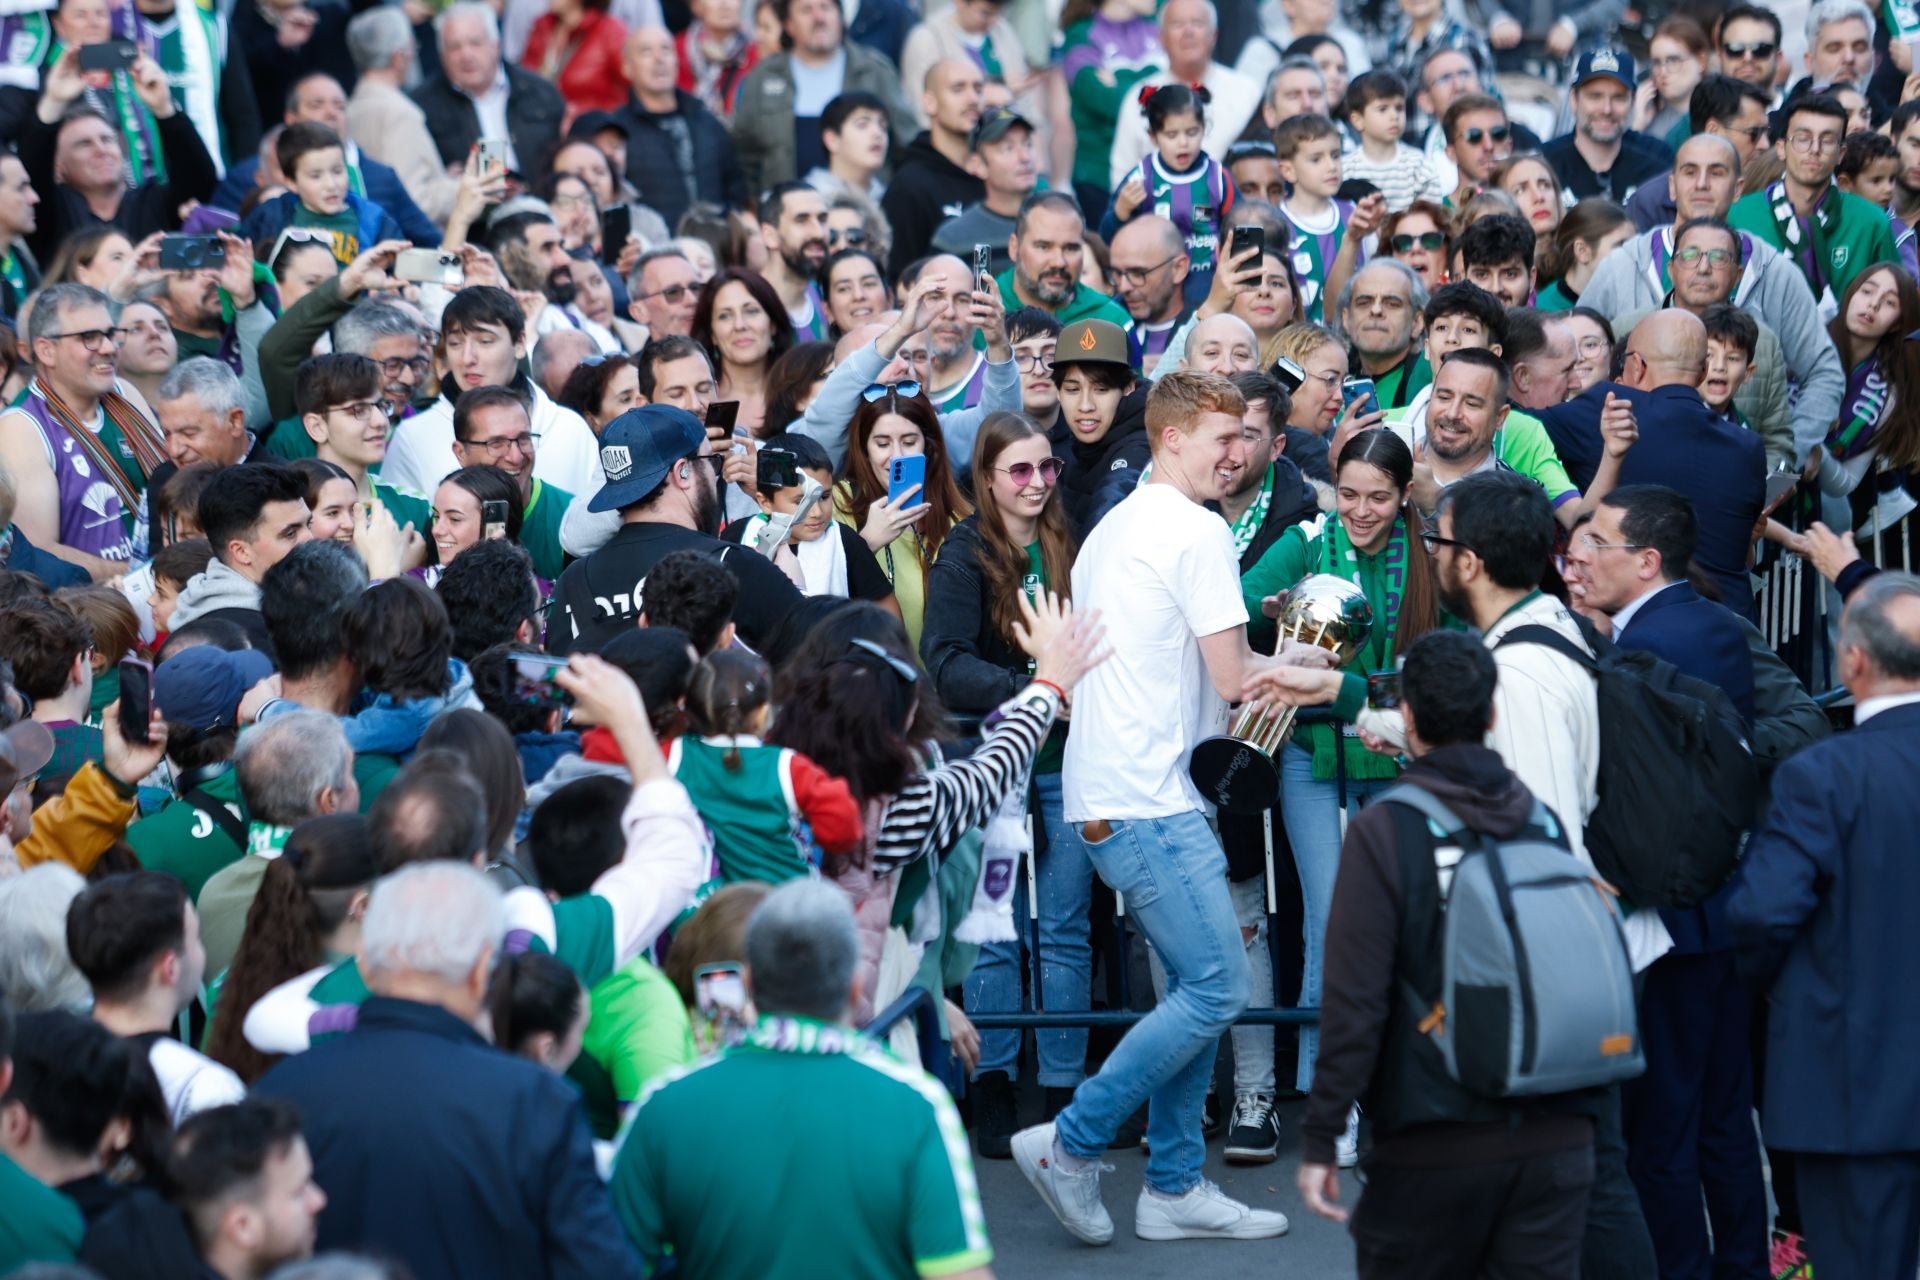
[(931, 181), (1149, 266), (1721, 469), (1223, 344)]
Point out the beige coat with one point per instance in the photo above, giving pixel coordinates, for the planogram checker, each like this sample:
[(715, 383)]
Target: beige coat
[(390, 128)]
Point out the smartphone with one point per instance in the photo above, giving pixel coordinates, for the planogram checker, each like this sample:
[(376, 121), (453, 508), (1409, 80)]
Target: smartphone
[(1383, 690), (533, 679), (108, 55), (1290, 375), (616, 225), (1248, 237), (720, 1006), (136, 700), (1360, 389), (904, 473), (1779, 485), (429, 266), (778, 470), (493, 154), (192, 253), (493, 519), (721, 415), (982, 262)]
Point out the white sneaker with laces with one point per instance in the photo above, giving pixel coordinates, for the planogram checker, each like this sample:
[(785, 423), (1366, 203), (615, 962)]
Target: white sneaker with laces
[(1346, 1147), (1203, 1213), (1073, 1197)]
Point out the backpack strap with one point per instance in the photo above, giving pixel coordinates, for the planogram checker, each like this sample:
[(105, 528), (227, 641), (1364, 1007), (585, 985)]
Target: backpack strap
[(1429, 805), (1547, 637), (222, 817)]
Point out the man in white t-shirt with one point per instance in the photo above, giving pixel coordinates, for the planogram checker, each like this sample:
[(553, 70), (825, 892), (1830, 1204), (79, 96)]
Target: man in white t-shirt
[(136, 940), (1162, 570)]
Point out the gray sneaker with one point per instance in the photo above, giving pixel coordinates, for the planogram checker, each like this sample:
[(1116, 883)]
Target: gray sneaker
[(1073, 1197), (1204, 1213)]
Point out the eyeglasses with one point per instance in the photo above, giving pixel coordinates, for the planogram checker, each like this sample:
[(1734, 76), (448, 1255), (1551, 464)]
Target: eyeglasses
[(852, 237), (890, 391), (1330, 379), (500, 445), (1431, 241), (1476, 135), (672, 293), (1021, 473), (859, 648), (1813, 143), (1592, 543), (718, 461), (1027, 362), (1137, 276), (1668, 64), (361, 411), (419, 366), (1762, 50), (1433, 542), (95, 339), (1693, 253)]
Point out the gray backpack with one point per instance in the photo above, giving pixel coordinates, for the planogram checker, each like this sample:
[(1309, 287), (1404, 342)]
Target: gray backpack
[(1536, 991)]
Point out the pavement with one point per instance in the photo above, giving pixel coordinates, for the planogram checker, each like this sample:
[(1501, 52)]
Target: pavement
[(1030, 1244)]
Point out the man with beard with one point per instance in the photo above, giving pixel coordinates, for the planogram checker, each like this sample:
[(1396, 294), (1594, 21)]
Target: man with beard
[(1049, 249), (191, 301), (793, 226), (1380, 313), (485, 335), (1149, 259), (534, 259), (1602, 157), (78, 451), (19, 273), (663, 477), (956, 373)]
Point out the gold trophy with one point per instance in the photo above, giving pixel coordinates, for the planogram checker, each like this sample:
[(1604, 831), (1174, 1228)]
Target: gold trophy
[(1238, 771)]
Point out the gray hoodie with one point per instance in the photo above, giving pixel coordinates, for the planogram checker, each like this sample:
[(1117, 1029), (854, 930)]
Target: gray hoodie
[(1773, 289), (219, 587), (571, 768)]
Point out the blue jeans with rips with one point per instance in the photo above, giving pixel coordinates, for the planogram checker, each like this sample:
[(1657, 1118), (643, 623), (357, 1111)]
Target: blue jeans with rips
[(1063, 970), (1172, 876)]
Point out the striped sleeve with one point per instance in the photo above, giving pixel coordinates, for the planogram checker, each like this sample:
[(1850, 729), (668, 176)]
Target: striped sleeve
[(934, 808)]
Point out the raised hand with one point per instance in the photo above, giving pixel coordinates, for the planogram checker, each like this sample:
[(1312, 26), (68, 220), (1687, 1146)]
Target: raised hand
[(150, 83), (1618, 429), (887, 520), (236, 273), (373, 269), (1064, 643)]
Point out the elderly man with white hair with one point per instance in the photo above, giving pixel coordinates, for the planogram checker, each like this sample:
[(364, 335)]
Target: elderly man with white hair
[(1189, 30), (433, 1146), (383, 121), (477, 96)]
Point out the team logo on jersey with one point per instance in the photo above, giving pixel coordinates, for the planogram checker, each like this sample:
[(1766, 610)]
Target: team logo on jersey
[(1840, 254)]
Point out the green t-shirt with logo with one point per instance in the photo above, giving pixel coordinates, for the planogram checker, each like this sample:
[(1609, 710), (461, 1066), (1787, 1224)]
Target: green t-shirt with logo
[(342, 228)]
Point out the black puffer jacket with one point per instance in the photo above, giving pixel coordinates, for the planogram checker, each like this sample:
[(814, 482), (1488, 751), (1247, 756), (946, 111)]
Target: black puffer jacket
[(1100, 473), (974, 667)]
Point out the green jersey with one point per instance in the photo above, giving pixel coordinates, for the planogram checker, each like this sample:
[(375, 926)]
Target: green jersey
[(637, 1033), (185, 839), (864, 1154), (37, 1223), (342, 228), (1555, 298), (1843, 236), (540, 528)]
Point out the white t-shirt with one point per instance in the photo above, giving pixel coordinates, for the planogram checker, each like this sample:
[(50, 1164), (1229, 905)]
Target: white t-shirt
[(191, 1081), (1161, 570)]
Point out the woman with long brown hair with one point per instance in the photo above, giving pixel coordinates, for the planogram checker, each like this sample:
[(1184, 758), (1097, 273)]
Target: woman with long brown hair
[(1373, 540), (1018, 541), (1879, 423), (743, 325), (895, 420), (305, 919)]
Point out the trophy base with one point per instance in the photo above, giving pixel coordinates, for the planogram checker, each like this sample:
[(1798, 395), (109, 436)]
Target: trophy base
[(1234, 775)]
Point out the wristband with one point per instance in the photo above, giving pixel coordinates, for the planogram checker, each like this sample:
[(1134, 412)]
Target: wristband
[(1048, 684)]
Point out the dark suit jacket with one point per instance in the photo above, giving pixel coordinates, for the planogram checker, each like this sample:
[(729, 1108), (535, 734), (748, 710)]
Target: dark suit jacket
[(384, 188), (1706, 642), (653, 161), (882, 25), (449, 1154), (1822, 911), (1722, 470), (534, 112)]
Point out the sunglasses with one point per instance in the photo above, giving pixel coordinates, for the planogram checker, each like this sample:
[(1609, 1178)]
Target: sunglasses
[(1431, 241), (1763, 50), (859, 649), (673, 292), (890, 390), (1476, 135), (1022, 472), (852, 237)]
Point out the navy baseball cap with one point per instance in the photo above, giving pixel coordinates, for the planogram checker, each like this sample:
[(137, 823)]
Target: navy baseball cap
[(638, 448), (200, 688), (1610, 64)]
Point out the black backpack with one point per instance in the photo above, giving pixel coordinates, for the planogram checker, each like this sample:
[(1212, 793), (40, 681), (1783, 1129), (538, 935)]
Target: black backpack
[(1678, 786)]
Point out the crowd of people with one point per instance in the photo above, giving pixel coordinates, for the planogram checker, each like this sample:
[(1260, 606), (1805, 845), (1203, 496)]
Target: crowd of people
[(584, 585)]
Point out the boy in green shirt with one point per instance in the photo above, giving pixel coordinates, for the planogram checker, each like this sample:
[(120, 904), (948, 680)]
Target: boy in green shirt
[(315, 164), (343, 413)]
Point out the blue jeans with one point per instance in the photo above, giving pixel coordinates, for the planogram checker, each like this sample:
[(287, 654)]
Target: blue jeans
[(1312, 813), (1172, 877), (1064, 879)]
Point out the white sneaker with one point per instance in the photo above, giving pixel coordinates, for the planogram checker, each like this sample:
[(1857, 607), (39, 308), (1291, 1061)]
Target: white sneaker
[(1073, 1197), (1346, 1147), (1204, 1213)]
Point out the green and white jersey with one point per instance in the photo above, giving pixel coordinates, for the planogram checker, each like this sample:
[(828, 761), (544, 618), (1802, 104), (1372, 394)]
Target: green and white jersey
[(864, 1154)]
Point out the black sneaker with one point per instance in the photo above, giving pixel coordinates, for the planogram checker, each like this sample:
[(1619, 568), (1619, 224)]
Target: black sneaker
[(1254, 1137), (1209, 1122), (994, 1116)]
